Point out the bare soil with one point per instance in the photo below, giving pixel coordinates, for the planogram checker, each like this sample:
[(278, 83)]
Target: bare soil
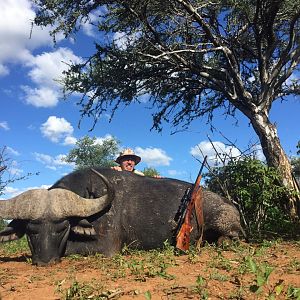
[(246, 271)]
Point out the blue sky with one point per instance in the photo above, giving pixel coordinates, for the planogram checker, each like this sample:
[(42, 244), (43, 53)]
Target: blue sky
[(38, 128)]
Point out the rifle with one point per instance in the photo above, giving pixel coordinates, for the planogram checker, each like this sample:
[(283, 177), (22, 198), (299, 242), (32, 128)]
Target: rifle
[(179, 217), (188, 203)]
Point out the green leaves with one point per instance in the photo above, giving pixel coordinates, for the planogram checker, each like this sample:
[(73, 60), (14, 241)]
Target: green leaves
[(191, 57), (148, 295), (152, 172), (262, 273), (293, 293), (90, 152), (255, 188)]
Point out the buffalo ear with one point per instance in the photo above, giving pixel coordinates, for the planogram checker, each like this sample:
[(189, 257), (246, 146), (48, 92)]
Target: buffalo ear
[(84, 228), (13, 231)]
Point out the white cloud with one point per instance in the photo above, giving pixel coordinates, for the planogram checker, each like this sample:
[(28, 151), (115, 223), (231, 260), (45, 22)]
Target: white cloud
[(51, 162), (12, 192), (3, 70), (43, 158), (4, 125), (46, 71), (144, 98), (17, 34), (123, 40), (70, 140), (56, 129), (88, 27), (48, 66), (15, 171), (12, 151), (19, 38), (153, 157), (41, 97), (258, 153), (13, 168), (100, 140), (292, 79), (209, 148), (120, 40), (176, 173)]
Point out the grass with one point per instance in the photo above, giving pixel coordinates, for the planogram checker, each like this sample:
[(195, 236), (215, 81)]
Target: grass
[(248, 269), (236, 271), (138, 264), (15, 247)]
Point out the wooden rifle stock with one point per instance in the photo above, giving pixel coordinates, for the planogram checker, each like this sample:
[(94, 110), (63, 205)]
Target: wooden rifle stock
[(183, 236)]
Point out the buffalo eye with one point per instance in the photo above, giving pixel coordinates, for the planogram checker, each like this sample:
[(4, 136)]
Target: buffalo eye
[(33, 228), (56, 227), (61, 226)]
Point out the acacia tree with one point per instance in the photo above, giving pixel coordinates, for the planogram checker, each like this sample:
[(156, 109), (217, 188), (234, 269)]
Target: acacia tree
[(295, 162), (90, 153), (189, 57)]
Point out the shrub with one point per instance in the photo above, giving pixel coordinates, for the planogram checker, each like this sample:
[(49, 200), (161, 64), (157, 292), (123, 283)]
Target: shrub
[(151, 172), (255, 189)]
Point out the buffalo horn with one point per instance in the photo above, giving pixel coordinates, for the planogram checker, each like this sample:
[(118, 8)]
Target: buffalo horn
[(58, 203)]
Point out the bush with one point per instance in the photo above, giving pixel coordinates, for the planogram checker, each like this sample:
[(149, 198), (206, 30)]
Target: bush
[(151, 172), (256, 191)]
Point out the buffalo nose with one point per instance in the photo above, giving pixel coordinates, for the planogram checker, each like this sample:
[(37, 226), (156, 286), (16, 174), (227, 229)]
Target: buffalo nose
[(42, 263)]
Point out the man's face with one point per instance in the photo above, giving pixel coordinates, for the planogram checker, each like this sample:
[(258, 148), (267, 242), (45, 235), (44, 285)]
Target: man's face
[(127, 164)]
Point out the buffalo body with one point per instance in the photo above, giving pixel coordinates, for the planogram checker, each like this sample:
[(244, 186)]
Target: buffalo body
[(139, 212)]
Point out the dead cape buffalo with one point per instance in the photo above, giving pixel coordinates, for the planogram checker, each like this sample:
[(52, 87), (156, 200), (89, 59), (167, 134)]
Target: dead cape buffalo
[(87, 213)]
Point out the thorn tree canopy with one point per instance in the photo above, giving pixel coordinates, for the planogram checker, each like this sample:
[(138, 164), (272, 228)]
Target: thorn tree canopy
[(189, 57)]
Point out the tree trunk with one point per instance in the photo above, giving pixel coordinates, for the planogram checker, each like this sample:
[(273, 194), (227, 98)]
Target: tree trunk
[(276, 157)]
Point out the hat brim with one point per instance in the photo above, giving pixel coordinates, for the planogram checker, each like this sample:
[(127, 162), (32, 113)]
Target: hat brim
[(135, 158)]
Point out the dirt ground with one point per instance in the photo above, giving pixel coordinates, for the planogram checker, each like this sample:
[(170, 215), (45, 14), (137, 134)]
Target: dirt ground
[(265, 271)]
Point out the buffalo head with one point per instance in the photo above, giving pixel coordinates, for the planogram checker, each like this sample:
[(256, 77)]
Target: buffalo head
[(47, 217)]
